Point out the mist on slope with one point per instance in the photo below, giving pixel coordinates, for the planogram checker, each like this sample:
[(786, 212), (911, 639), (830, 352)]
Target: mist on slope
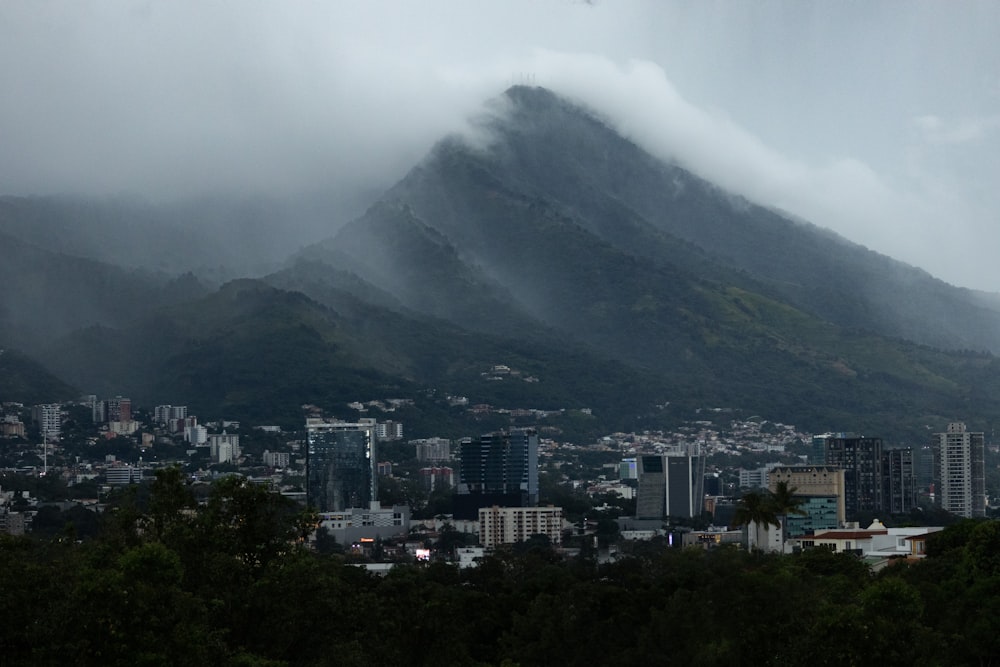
[(877, 121)]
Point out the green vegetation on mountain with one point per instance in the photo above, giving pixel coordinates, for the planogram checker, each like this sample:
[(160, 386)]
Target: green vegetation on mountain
[(23, 380), (608, 279)]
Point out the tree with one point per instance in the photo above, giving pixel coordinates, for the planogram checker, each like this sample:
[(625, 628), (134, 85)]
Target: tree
[(784, 502), (757, 509)]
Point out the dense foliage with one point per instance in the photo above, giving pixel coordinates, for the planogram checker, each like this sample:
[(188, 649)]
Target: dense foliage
[(171, 582)]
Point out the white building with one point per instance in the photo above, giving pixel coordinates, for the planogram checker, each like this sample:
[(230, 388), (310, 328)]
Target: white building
[(123, 475), (469, 556), (369, 523), (163, 414), (49, 419), (959, 471), (276, 459), (196, 435), (434, 450), (224, 447), (507, 525), (124, 427), (389, 430), (873, 542)]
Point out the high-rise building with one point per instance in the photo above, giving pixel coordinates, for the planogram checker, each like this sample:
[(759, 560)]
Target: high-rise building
[(340, 465), (432, 450), (861, 459), (959, 471), (164, 414), (118, 409), (389, 430), (498, 468), (437, 477), (899, 489), (224, 447), (670, 485), (49, 419)]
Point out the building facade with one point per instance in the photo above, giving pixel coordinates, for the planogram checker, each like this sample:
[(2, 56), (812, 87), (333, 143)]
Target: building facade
[(507, 525), (670, 485), (366, 523), (49, 419), (822, 490), (340, 465), (499, 468), (899, 481), (861, 459), (432, 450), (959, 471)]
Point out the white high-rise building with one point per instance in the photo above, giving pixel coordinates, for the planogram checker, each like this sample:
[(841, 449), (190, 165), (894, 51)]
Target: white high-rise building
[(959, 471), (224, 446), (49, 419)]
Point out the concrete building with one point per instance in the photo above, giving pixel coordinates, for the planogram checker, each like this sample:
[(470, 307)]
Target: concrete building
[(374, 522), (959, 471), (197, 435), (164, 414), (123, 475), (821, 488), (432, 450), (224, 447), (118, 409), (389, 430), (276, 459), (507, 525), (340, 465), (48, 417), (438, 477), (123, 427)]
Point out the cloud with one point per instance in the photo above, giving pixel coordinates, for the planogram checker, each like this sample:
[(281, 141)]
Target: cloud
[(874, 120), (936, 131)]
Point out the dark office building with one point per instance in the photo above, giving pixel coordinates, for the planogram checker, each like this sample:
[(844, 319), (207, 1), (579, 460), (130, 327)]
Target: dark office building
[(670, 486), (899, 488), (861, 459), (498, 468), (340, 465)]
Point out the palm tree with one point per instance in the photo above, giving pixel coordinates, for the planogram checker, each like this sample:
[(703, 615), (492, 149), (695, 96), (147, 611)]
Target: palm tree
[(785, 502), (757, 509)]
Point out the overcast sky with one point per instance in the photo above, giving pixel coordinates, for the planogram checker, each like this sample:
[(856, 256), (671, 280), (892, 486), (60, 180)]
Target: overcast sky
[(879, 120)]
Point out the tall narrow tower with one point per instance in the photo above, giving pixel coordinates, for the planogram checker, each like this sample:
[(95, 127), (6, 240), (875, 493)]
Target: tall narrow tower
[(959, 471)]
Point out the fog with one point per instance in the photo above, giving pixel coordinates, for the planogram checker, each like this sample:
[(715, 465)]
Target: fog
[(879, 120)]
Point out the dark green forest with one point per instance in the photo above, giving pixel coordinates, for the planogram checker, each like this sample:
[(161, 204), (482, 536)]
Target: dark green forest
[(168, 581)]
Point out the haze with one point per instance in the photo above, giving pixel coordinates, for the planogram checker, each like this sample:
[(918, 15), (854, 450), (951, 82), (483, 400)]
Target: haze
[(879, 120)]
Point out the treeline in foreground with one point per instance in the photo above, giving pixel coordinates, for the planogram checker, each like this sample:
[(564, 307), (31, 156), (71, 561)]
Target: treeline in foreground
[(168, 582)]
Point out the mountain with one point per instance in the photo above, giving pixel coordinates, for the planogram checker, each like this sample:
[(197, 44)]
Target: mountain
[(47, 294), (559, 219), (24, 380), (254, 351), (217, 238), (607, 279)]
